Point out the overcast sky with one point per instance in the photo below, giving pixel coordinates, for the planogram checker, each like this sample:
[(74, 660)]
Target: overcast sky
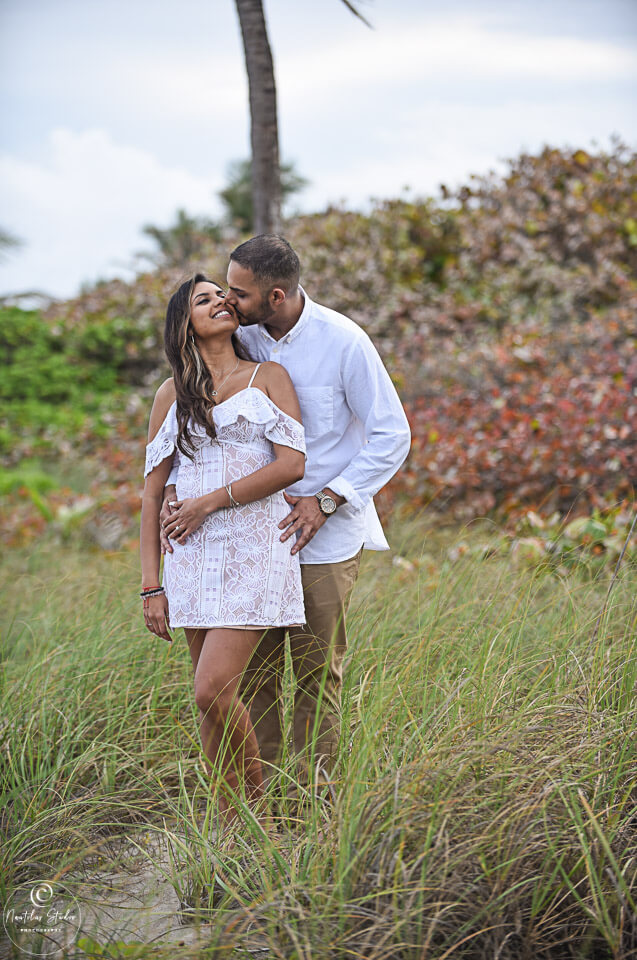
[(117, 112)]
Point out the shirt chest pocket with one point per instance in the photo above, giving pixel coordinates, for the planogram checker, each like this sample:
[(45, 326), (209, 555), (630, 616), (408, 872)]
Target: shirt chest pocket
[(317, 409)]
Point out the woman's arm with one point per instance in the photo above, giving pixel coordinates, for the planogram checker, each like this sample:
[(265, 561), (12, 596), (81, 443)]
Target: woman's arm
[(287, 467), (156, 611)]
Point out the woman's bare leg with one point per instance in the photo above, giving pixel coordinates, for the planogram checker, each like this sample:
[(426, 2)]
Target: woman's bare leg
[(219, 657), (195, 640)]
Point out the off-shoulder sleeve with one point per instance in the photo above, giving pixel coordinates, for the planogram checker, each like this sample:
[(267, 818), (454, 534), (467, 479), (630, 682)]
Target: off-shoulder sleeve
[(285, 430), (257, 407), (163, 443)]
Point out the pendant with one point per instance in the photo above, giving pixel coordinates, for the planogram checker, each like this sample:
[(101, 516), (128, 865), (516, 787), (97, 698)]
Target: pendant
[(214, 393)]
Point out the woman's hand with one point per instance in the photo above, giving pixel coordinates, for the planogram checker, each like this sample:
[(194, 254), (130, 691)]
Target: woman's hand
[(157, 617), (187, 516)]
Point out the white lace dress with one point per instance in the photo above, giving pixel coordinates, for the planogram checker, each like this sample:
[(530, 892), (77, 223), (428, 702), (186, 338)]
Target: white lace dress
[(233, 570)]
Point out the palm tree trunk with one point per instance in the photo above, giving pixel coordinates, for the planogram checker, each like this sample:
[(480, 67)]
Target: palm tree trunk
[(266, 185)]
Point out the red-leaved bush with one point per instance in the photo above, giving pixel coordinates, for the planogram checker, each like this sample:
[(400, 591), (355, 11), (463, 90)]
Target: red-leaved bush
[(505, 313)]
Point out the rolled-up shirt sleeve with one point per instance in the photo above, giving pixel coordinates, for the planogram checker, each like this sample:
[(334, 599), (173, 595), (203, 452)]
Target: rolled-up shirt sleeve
[(174, 470), (372, 398)]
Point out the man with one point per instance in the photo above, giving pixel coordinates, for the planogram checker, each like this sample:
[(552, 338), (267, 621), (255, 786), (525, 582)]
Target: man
[(357, 437)]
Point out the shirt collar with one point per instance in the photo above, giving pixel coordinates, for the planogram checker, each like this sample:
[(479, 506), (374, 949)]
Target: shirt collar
[(298, 327)]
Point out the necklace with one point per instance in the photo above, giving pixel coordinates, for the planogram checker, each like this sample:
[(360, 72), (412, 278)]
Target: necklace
[(215, 392)]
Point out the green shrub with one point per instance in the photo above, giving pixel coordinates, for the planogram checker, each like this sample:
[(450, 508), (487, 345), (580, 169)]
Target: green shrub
[(55, 376)]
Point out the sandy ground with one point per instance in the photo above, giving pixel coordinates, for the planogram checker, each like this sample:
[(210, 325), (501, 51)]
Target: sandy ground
[(127, 897)]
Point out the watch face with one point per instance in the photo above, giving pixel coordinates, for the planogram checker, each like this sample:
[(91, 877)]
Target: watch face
[(328, 505)]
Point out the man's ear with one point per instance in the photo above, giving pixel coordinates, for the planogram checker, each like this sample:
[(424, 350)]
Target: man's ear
[(277, 296)]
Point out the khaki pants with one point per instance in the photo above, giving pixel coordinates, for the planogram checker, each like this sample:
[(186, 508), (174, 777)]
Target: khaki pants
[(317, 651)]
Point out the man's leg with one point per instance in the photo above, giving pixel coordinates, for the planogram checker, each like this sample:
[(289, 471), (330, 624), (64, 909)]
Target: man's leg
[(317, 652), (261, 692)]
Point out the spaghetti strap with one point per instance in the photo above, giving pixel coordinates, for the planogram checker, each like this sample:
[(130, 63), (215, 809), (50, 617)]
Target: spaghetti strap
[(253, 375)]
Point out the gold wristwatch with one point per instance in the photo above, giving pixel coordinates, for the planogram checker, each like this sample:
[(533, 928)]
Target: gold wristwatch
[(326, 503)]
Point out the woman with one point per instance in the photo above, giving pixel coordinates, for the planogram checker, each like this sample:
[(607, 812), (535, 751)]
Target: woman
[(235, 434)]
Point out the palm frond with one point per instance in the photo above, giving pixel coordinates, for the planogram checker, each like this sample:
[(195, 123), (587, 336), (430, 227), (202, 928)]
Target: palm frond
[(357, 13)]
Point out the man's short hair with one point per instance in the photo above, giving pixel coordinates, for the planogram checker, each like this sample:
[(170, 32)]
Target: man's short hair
[(272, 261)]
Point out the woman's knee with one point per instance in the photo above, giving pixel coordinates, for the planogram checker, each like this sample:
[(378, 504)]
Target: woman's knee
[(215, 696)]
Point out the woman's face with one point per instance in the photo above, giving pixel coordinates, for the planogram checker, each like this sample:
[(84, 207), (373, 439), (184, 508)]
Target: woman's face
[(209, 313)]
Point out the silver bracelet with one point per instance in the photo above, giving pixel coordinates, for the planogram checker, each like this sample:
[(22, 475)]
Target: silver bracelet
[(233, 502)]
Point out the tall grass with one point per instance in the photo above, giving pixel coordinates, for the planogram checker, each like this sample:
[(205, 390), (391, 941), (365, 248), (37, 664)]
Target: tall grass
[(484, 804)]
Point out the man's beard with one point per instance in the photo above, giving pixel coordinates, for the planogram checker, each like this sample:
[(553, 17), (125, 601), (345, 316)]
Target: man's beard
[(262, 315)]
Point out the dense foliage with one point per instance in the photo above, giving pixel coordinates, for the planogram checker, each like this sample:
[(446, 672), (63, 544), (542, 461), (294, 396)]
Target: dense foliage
[(505, 313)]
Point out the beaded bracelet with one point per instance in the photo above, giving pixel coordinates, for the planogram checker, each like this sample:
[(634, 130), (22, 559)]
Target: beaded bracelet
[(151, 592), (146, 595)]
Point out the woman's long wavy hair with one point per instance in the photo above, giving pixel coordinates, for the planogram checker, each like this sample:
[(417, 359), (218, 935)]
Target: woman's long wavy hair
[(193, 380)]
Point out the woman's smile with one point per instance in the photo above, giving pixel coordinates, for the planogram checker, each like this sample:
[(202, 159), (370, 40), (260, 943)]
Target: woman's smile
[(208, 303)]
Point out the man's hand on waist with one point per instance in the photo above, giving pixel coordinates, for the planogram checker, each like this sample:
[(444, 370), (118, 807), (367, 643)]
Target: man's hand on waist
[(170, 495), (305, 518)]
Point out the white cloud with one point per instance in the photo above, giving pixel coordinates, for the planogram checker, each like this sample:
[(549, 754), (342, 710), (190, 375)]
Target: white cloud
[(210, 93), (419, 100), (80, 211), (459, 50), (438, 143)]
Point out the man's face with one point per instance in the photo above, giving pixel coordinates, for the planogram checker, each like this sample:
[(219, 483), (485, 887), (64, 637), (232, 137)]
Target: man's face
[(247, 298)]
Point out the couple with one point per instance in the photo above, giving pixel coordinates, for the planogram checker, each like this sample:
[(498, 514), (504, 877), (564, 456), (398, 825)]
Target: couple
[(270, 469)]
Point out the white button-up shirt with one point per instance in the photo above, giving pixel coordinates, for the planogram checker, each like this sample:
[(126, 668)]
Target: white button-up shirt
[(356, 431)]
